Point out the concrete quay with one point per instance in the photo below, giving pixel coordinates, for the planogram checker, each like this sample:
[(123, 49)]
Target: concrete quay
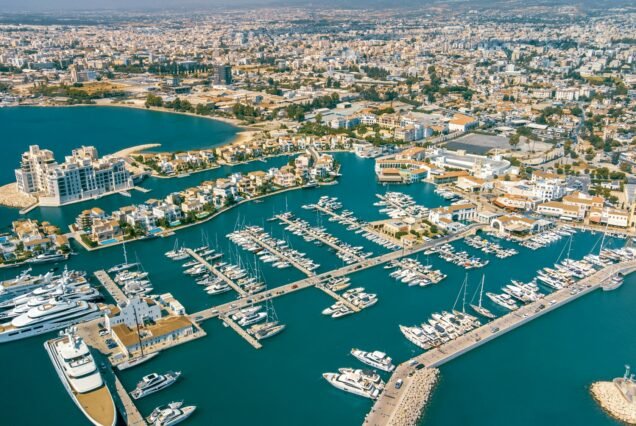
[(110, 286), (241, 332), (320, 238), (385, 407), (216, 272)]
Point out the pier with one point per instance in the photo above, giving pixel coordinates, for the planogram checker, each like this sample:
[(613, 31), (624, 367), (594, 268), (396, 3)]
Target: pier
[(385, 407), (216, 272), (273, 250), (338, 298), (323, 240), (131, 413), (244, 334), (110, 286), (257, 298)]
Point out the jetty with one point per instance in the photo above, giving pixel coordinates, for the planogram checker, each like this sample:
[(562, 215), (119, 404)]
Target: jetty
[(263, 296), (132, 415), (385, 407), (320, 238), (216, 272), (349, 221), (113, 289), (273, 250), (338, 298), (241, 332), (618, 397)]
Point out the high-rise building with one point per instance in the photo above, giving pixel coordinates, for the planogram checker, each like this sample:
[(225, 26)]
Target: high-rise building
[(82, 175), (222, 75)]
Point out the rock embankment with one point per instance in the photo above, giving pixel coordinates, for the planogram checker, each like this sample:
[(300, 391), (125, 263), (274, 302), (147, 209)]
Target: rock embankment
[(411, 406), (611, 399), (11, 197)]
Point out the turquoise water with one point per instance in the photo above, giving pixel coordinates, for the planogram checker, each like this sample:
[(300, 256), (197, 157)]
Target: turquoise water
[(536, 374)]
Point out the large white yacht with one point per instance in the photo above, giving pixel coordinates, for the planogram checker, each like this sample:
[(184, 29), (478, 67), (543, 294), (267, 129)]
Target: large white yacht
[(354, 383), (375, 359), (87, 293), (24, 283), (81, 378), (51, 316), (170, 414), (154, 383)]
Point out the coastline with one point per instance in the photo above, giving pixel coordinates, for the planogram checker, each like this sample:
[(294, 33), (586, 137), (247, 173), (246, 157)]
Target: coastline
[(168, 232)]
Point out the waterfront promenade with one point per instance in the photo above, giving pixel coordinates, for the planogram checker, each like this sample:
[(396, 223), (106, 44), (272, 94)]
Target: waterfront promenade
[(385, 408)]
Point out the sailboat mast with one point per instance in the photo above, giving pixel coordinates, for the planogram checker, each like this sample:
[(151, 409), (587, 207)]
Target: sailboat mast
[(141, 346), (481, 291)]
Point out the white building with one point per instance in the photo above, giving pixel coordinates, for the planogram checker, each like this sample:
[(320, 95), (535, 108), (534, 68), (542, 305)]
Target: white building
[(82, 175)]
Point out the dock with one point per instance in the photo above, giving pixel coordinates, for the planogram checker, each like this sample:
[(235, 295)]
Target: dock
[(131, 413), (320, 238), (241, 332), (273, 293), (338, 298), (216, 272), (110, 286), (385, 409), (272, 249)]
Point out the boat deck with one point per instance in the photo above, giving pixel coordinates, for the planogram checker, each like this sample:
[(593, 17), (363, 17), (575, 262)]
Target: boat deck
[(272, 249), (98, 405)]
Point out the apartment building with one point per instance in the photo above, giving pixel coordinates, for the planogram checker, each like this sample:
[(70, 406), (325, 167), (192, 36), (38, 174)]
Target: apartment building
[(82, 175)]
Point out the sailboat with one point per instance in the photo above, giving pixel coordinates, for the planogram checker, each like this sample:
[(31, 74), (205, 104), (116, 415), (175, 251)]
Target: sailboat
[(135, 361), (479, 308), (123, 266)]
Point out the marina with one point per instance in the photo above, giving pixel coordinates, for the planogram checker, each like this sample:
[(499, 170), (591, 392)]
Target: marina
[(301, 311)]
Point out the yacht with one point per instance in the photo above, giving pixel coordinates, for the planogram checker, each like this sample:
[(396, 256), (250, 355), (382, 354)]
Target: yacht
[(170, 414), (133, 362), (23, 305), (154, 383), (81, 378), (253, 318), (375, 359), (123, 266), (269, 329), (24, 283), (51, 316), (353, 383), (503, 300), (48, 258)]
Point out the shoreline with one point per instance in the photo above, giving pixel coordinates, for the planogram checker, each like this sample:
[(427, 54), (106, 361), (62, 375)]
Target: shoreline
[(168, 232)]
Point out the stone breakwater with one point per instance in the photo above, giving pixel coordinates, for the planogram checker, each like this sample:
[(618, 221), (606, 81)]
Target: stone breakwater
[(610, 398), (411, 405), (11, 197)]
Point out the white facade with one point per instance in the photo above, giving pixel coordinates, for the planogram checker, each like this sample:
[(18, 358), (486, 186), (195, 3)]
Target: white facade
[(82, 175), (133, 313)]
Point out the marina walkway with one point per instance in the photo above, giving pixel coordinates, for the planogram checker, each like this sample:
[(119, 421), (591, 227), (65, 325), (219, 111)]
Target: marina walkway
[(112, 288), (132, 415), (244, 334), (273, 250), (216, 272), (384, 408), (320, 238), (257, 298)]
